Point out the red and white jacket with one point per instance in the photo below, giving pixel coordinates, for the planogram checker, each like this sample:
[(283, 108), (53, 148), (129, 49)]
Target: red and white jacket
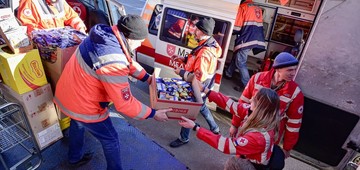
[(255, 145), (291, 105)]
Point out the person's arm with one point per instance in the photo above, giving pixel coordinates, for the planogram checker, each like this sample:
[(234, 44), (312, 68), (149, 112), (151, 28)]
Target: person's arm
[(250, 143), (28, 15), (73, 19), (114, 78), (293, 124), (137, 71)]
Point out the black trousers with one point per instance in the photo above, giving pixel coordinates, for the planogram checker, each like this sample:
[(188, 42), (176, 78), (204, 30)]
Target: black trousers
[(277, 160)]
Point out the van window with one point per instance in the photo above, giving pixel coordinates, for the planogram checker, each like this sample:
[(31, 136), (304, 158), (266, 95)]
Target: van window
[(155, 19), (178, 27)]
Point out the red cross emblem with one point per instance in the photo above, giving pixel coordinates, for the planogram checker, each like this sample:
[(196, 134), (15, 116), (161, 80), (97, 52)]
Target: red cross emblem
[(27, 12), (242, 141), (170, 49), (258, 13), (125, 93)]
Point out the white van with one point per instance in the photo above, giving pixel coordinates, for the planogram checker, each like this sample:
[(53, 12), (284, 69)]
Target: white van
[(330, 133)]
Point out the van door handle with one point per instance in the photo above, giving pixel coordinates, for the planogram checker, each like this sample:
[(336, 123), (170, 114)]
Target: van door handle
[(352, 145)]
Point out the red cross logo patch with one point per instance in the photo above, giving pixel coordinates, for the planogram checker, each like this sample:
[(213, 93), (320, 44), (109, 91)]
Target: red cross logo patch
[(27, 12), (258, 13), (242, 141), (170, 49), (125, 93)]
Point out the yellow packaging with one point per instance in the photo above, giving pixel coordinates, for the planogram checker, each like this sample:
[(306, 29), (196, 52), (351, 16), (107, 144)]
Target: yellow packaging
[(64, 123), (23, 72)]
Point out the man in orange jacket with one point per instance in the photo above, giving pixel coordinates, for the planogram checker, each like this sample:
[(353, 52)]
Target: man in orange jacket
[(96, 75), (249, 36), (44, 14), (201, 64)]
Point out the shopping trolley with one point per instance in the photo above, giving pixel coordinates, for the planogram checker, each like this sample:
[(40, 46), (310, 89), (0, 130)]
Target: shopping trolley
[(18, 148)]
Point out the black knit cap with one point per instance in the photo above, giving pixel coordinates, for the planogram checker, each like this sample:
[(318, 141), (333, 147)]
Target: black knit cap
[(206, 25), (133, 27)]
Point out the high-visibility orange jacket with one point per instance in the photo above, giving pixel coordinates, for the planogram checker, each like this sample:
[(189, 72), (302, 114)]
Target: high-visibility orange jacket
[(97, 74), (255, 145), (38, 14), (202, 61), (249, 30), (291, 105)]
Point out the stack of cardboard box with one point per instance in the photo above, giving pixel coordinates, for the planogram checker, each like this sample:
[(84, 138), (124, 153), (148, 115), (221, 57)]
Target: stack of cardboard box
[(56, 46), (25, 83), (14, 35)]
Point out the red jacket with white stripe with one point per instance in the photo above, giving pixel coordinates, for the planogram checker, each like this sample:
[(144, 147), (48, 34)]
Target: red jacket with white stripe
[(291, 105), (97, 74), (255, 145)]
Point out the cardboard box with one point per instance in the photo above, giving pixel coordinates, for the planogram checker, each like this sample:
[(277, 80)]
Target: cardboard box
[(13, 34), (39, 111), (23, 72), (180, 108), (57, 60), (54, 68)]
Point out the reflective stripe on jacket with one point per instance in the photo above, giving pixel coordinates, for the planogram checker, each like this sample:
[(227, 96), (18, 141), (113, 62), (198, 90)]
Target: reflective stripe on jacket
[(251, 34), (255, 145), (202, 61), (97, 74), (37, 14), (291, 105)]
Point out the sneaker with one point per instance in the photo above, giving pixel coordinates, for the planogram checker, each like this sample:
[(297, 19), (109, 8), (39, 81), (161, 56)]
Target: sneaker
[(85, 159), (176, 143), (216, 132)]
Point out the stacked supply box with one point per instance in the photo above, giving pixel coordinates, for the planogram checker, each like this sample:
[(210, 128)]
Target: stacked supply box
[(12, 33), (23, 72), (53, 69), (40, 112), (56, 46), (179, 108)]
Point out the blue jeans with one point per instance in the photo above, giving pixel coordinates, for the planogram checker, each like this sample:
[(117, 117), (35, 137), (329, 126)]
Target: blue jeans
[(104, 131), (205, 112), (239, 61)]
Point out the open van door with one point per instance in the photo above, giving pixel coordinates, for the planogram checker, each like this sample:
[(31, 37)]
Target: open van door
[(94, 12), (169, 23)]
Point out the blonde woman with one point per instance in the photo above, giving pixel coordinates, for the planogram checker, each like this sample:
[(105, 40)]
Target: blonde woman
[(257, 123)]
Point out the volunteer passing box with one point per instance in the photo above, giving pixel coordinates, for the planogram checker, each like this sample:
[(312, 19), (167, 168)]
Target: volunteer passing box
[(23, 72), (40, 113), (179, 108)]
